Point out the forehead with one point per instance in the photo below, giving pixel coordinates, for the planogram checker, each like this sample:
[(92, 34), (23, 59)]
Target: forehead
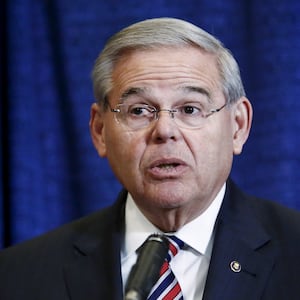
[(166, 69)]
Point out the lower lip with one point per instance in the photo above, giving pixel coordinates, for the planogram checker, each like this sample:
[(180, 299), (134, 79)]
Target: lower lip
[(167, 172)]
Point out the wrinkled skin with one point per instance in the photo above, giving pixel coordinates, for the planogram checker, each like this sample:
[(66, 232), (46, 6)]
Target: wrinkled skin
[(172, 173)]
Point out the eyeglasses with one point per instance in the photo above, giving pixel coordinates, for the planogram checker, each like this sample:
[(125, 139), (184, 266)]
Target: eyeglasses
[(137, 116)]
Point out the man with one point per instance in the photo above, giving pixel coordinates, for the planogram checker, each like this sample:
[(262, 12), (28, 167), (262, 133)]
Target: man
[(171, 112)]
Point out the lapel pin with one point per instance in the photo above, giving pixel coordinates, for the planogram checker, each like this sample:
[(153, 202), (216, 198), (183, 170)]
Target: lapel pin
[(235, 266)]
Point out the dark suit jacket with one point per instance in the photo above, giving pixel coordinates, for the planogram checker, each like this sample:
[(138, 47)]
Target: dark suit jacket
[(81, 260)]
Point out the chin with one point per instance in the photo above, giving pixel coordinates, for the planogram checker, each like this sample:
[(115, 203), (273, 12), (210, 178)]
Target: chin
[(168, 200)]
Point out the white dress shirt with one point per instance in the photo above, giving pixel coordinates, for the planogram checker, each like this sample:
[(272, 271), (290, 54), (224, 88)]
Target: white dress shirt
[(190, 265)]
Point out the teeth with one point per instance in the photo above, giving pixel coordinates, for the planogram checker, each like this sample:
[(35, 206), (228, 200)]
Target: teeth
[(167, 166)]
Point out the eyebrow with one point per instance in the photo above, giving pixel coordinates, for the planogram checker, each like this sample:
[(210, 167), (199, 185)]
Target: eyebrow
[(186, 89), (196, 89), (132, 91)]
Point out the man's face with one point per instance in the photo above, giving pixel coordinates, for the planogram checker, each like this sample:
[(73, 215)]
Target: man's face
[(163, 166)]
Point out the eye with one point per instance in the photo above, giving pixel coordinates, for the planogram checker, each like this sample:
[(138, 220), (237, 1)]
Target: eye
[(191, 109), (140, 110), (137, 111)]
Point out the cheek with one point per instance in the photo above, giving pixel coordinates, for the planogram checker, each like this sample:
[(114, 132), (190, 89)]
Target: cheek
[(124, 152), (224, 148), (212, 147)]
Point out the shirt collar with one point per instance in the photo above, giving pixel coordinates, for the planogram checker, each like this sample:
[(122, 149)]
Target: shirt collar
[(138, 227)]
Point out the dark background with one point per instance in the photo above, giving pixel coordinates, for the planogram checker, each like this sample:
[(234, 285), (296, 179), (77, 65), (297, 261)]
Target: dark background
[(49, 170)]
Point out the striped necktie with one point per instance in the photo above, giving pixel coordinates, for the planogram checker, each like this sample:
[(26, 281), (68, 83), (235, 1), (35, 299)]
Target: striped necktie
[(167, 286)]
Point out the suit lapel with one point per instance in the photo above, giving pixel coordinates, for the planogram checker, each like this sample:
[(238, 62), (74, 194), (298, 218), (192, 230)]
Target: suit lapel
[(243, 254), (94, 272)]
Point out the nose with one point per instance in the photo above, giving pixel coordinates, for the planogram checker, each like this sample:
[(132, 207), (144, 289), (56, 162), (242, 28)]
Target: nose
[(164, 127), (170, 111)]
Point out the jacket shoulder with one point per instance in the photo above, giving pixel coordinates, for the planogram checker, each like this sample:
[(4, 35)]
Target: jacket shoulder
[(59, 245)]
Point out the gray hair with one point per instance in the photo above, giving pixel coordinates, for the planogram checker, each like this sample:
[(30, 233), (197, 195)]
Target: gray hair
[(165, 32)]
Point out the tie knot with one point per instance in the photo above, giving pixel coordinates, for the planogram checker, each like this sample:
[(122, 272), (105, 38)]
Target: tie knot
[(167, 287), (175, 245)]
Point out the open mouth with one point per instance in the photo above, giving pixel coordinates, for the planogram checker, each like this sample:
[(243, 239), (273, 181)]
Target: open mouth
[(168, 166)]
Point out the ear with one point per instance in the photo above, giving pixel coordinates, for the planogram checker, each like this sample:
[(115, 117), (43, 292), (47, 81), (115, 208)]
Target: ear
[(97, 129), (242, 118)]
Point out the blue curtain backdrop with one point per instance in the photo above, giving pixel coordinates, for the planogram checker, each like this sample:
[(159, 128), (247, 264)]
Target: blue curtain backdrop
[(50, 173)]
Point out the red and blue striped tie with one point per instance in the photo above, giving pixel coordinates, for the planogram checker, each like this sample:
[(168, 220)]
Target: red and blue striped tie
[(167, 286)]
